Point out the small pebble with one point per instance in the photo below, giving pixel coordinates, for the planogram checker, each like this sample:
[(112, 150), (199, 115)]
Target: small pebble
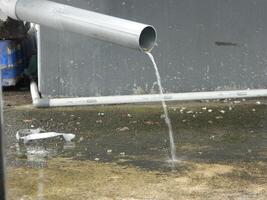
[(123, 129), (189, 112), (32, 126), (249, 151), (27, 120), (204, 108), (212, 137), (230, 108), (151, 123), (219, 117), (182, 109), (210, 110), (222, 111), (81, 139), (253, 110), (122, 153), (99, 121), (97, 159), (258, 102), (129, 115), (109, 151)]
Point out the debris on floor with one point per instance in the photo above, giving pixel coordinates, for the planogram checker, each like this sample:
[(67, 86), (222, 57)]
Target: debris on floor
[(27, 135), (123, 129)]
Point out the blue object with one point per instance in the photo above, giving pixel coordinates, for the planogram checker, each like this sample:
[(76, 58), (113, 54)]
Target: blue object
[(3, 54), (11, 61), (10, 53), (9, 73)]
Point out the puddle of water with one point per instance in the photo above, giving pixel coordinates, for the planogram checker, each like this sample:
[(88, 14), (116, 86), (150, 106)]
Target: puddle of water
[(239, 135), (107, 159)]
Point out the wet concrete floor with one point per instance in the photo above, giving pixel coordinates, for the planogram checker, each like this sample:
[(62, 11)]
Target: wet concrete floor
[(122, 152)]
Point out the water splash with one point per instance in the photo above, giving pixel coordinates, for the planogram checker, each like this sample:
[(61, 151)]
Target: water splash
[(165, 109)]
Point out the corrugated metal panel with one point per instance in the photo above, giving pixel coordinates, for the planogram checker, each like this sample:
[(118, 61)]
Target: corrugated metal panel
[(202, 45)]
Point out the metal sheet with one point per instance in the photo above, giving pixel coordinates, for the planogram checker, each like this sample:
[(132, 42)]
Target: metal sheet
[(202, 46)]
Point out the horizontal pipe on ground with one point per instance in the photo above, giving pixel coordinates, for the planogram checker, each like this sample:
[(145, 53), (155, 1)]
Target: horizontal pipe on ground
[(148, 98), (67, 18)]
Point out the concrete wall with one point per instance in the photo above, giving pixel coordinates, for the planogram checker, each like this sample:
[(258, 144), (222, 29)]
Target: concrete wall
[(203, 45)]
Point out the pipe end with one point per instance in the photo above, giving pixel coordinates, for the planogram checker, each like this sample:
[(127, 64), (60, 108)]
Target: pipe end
[(9, 8), (147, 38)]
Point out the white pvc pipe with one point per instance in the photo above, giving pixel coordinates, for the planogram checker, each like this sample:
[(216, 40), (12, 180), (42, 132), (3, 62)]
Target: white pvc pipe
[(34, 91), (99, 26), (39, 54), (9, 7), (189, 96)]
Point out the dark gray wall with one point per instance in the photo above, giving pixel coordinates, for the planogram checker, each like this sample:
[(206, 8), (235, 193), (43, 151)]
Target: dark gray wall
[(203, 45)]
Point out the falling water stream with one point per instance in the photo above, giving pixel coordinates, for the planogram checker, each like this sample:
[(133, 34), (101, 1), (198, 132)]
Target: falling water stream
[(165, 109)]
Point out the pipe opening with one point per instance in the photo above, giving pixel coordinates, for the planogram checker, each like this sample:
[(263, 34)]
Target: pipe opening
[(147, 38)]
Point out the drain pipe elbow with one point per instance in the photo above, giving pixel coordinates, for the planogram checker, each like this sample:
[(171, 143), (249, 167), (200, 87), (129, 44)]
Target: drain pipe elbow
[(37, 101), (9, 8), (34, 94)]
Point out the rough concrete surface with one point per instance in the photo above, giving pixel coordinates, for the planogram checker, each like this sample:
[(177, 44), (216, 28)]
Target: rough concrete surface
[(122, 152)]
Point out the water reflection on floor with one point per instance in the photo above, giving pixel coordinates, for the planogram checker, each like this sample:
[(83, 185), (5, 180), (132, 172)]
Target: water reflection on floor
[(122, 152)]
